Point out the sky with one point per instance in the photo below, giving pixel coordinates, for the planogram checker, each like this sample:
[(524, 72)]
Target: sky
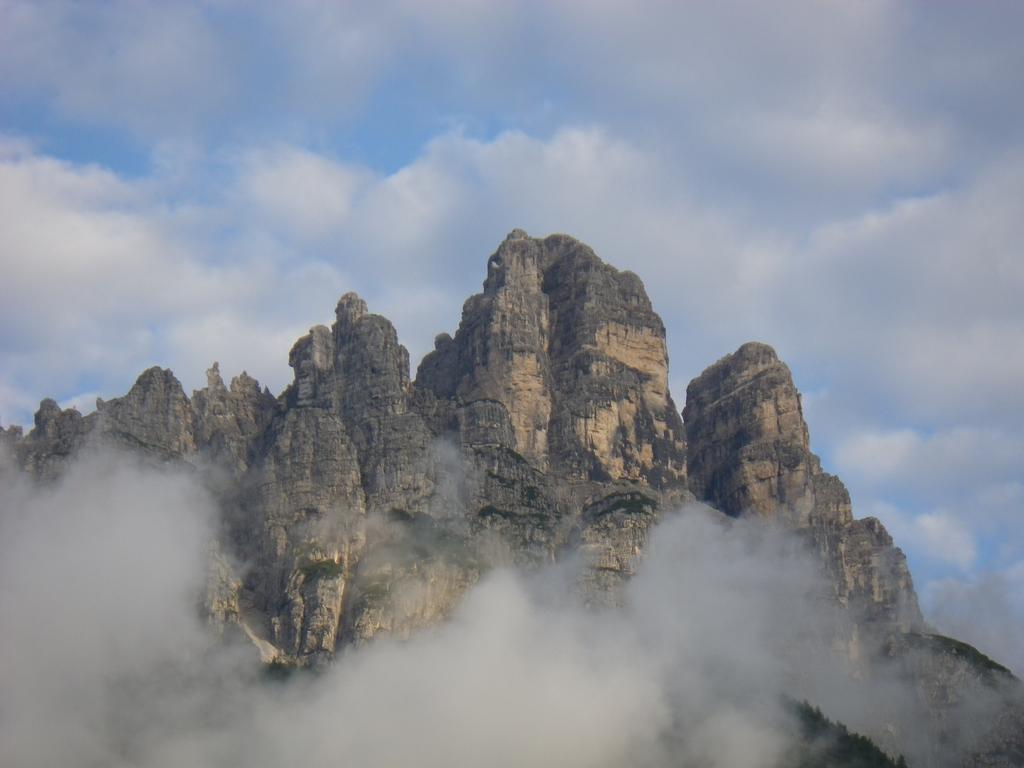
[(189, 182)]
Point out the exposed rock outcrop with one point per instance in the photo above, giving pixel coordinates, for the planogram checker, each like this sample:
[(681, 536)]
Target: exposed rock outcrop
[(55, 438), (749, 453), (227, 420), (748, 446), (155, 417), (10, 436), (572, 349)]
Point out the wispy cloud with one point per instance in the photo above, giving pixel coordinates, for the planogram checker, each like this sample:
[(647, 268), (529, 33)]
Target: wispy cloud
[(104, 643)]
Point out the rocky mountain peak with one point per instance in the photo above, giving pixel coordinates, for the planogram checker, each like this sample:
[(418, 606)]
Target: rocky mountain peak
[(748, 452), (572, 349), (518, 262), (155, 415), (213, 377), (47, 417), (364, 504), (350, 309), (749, 448), (56, 436)]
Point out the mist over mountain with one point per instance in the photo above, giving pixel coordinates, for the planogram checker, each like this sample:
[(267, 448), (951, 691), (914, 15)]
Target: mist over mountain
[(525, 555)]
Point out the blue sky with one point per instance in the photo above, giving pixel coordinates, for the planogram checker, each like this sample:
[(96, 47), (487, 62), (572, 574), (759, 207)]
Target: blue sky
[(189, 182)]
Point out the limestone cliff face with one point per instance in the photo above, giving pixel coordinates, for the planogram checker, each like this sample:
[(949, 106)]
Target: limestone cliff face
[(227, 420), (341, 443), (749, 453), (56, 437), (155, 416), (500, 352), (572, 349), (748, 446)]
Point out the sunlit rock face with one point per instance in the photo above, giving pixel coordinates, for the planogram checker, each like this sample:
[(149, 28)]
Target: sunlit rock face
[(572, 349), (748, 445), (749, 453), (360, 502)]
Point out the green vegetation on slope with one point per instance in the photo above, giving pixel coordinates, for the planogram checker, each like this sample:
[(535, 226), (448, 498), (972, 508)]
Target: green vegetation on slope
[(825, 744), (628, 502), (321, 569)]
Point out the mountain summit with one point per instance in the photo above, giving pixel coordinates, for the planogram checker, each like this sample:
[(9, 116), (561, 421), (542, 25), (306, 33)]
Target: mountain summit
[(364, 503)]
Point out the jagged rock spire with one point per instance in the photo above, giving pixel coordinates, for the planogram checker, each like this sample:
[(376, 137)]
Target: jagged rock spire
[(748, 444), (572, 349), (155, 415)]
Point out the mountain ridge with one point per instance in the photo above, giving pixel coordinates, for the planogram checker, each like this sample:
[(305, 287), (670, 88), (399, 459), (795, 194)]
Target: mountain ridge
[(366, 502)]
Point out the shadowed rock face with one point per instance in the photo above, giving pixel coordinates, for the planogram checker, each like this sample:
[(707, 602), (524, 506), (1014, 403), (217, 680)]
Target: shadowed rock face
[(155, 416), (55, 438), (227, 420), (364, 503)]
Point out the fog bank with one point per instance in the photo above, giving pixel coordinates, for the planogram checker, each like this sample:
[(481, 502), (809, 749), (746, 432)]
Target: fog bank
[(105, 660)]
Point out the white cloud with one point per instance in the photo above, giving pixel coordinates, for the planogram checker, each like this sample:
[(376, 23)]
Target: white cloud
[(935, 540), (958, 491), (15, 404), (156, 67), (828, 146), (933, 464), (814, 99), (698, 145), (305, 193), (109, 543), (116, 552), (878, 454), (875, 310), (101, 279), (77, 251), (521, 675), (986, 611), (946, 539)]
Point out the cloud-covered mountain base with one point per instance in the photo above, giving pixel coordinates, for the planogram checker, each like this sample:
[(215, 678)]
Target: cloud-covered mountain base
[(105, 658), (498, 562)]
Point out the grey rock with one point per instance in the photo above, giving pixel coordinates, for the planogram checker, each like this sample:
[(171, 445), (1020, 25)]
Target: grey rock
[(57, 435), (300, 525), (155, 417), (228, 420), (612, 536)]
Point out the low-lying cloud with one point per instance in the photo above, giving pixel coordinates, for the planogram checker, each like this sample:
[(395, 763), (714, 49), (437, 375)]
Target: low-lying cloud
[(987, 611), (105, 659)]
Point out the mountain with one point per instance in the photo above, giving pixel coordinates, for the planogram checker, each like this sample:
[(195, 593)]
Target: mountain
[(364, 503)]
